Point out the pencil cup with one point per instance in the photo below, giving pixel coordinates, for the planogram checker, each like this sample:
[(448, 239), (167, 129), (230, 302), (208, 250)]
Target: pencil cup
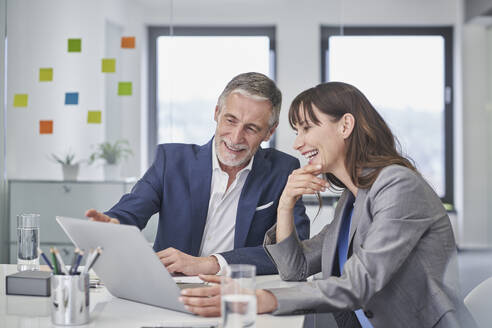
[(70, 299)]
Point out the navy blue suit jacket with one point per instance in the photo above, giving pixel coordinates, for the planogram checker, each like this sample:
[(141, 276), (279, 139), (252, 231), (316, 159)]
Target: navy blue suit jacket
[(177, 185)]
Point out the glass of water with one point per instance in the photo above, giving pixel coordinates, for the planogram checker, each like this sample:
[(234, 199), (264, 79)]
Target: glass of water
[(27, 242), (238, 301)]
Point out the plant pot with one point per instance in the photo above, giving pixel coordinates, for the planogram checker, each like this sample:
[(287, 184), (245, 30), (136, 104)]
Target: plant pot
[(112, 172), (70, 172)]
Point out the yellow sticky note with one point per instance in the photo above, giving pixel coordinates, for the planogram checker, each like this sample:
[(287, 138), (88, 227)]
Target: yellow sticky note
[(108, 65), (74, 45), (94, 116), (45, 74), (124, 88), (20, 100)]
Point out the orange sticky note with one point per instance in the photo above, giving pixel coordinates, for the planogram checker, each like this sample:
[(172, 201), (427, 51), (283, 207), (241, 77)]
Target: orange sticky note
[(128, 42), (46, 127)]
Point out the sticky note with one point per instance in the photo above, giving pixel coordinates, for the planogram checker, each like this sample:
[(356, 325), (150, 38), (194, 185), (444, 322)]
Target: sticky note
[(94, 116), (74, 45), (46, 127), (128, 42), (108, 65), (71, 98), (124, 88), (45, 74), (20, 100)]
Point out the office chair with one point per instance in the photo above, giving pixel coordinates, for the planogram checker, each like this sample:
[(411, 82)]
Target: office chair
[(479, 302)]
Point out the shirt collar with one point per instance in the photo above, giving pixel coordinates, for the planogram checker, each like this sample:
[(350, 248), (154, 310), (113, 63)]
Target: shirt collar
[(216, 166)]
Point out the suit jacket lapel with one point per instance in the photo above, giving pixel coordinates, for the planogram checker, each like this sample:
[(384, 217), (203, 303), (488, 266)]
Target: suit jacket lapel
[(200, 180), (250, 195)]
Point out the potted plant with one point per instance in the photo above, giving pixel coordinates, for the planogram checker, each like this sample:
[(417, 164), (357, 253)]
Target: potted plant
[(112, 154), (70, 167)]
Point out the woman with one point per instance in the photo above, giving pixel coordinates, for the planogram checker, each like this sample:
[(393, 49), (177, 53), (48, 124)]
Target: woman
[(389, 254)]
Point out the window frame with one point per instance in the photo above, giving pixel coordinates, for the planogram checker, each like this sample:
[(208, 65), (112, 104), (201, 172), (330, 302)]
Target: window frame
[(446, 32), (155, 32)]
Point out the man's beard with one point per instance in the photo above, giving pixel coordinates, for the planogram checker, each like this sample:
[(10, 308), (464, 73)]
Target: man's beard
[(231, 159)]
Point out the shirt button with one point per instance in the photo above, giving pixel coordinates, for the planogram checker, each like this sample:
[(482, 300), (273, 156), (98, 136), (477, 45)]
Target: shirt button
[(369, 314)]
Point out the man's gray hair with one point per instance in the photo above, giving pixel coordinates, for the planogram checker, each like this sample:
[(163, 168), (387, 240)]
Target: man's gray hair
[(256, 86)]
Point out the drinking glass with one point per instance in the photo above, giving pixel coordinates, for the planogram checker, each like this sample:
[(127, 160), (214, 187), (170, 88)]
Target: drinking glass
[(238, 301), (27, 242)]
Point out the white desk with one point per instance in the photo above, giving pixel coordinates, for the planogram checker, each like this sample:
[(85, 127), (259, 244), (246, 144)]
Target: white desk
[(109, 311)]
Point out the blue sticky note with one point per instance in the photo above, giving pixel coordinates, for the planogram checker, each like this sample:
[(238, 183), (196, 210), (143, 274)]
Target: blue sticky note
[(71, 98)]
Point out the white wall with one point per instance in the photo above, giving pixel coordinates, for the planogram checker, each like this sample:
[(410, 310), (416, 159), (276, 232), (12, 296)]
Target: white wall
[(3, 183), (476, 167), (38, 33)]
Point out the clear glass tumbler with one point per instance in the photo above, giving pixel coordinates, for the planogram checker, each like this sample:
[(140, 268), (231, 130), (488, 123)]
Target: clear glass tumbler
[(238, 301), (27, 242)]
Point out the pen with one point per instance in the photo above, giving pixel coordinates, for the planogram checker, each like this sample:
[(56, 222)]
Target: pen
[(53, 258), (92, 259), (45, 258), (74, 260), (62, 268), (79, 258)]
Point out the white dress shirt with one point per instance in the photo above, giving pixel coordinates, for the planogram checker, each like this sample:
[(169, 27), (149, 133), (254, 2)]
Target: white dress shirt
[(218, 235)]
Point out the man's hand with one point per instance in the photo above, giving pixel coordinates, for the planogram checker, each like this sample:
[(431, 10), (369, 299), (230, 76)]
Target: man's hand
[(205, 301), (177, 261), (94, 215)]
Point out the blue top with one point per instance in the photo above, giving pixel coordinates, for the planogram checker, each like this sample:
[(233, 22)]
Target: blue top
[(342, 246)]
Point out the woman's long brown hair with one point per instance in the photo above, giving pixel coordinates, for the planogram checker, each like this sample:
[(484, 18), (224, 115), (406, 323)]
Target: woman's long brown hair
[(371, 144)]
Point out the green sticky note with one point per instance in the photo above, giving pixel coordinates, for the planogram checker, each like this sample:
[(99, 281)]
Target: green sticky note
[(124, 88), (108, 65), (45, 74), (74, 45), (20, 100), (94, 116)]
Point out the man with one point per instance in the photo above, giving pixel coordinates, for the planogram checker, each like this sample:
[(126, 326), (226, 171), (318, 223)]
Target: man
[(216, 201)]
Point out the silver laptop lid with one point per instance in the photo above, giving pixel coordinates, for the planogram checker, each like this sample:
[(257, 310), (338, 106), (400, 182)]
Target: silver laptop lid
[(128, 265)]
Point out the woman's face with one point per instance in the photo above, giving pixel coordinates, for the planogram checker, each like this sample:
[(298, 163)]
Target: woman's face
[(321, 144)]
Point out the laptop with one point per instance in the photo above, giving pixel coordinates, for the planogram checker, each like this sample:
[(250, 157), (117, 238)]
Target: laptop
[(128, 266)]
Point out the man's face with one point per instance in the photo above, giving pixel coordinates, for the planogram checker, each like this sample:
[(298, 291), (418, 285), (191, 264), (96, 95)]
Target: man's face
[(241, 127)]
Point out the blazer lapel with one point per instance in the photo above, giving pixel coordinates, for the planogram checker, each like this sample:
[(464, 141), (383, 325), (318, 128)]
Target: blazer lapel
[(250, 195), (200, 173), (332, 240), (357, 212)]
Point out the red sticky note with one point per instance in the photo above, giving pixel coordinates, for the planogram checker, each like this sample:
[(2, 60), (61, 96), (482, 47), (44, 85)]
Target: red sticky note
[(46, 127), (128, 42)]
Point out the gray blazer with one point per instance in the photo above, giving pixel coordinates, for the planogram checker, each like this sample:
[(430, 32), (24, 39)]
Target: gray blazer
[(403, 268)]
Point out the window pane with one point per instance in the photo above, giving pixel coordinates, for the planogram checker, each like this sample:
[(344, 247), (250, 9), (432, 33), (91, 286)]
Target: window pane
[(192, 72), (403, 77)]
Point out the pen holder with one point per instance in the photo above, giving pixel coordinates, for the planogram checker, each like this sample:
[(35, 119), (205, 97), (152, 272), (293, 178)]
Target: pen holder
[(70, 299)]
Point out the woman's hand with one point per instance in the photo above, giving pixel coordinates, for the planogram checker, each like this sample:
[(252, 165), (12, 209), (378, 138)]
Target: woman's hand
[(205, 301), (301, 182)]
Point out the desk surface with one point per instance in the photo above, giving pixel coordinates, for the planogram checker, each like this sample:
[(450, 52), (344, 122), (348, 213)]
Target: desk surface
[(109, 311)]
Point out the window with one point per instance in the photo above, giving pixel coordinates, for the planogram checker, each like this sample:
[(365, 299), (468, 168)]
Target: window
[(189, 70), (406, 73)]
